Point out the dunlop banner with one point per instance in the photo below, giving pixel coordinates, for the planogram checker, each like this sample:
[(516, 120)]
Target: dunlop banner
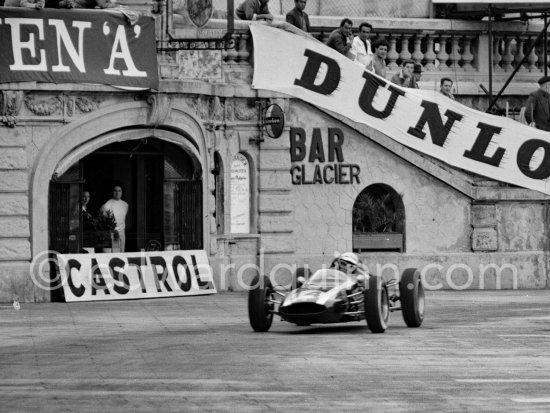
[(122, 276), (77, 46), (496, 147)]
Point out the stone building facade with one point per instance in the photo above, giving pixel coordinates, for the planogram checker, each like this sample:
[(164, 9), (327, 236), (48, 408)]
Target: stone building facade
[(461, 230)]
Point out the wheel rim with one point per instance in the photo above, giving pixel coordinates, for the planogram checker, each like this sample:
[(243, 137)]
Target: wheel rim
[(385, 306), (420, 300), (268, 305)]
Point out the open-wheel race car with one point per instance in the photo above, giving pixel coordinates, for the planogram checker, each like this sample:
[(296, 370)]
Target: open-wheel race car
[(334, 295)]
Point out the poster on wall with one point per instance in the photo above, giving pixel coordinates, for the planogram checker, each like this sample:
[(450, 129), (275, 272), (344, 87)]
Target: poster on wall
[(123, 276), (424, 120), (240, 195), (78, 46)]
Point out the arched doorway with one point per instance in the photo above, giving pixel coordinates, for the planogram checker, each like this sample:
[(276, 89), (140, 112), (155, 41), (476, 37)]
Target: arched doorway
[(161, 183), (378, 220)]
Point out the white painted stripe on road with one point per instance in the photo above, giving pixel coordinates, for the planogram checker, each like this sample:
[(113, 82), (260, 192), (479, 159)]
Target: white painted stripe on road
[(40, 391), (503, 380), (532, 400), (525, 335), (128, 380)]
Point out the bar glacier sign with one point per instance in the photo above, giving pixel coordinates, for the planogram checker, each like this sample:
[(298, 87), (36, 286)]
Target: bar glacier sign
[(77, 46)]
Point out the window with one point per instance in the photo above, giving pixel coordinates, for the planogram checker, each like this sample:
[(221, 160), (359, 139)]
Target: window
[(219, 188), (378, 220)]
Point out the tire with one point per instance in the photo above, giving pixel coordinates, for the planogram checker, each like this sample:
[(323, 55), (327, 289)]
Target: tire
[(377, 305), (301, 272), (411, 293), (260, 310)]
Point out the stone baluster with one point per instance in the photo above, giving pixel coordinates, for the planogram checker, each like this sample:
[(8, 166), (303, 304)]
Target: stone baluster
[(507, 56), (540, 57), (392, 53), (454, 57), (467, 56), (405, 54), (443, 56), (497, 57), (520, 42), (231, 55), (532, 58), (417, 54), (243, 52), (430, 55)]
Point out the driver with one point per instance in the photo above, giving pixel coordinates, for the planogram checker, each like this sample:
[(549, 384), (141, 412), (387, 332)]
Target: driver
[(349, 263)]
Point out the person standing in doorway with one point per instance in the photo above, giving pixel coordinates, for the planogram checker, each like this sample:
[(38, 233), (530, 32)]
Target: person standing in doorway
[(85, 211), (119, 209), (297, 17)]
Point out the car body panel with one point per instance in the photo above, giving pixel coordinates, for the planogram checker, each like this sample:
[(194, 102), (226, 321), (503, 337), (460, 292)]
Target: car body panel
[(322, 299)]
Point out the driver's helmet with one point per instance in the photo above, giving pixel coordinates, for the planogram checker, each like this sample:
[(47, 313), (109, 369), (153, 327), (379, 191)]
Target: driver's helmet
[(348, 262)]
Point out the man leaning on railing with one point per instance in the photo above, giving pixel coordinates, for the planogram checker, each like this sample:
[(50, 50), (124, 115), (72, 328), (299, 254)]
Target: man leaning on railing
[(254, 10)]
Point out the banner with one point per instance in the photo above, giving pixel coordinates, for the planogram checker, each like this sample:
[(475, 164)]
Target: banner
[(77, 46), (122, 276), (493, 146)]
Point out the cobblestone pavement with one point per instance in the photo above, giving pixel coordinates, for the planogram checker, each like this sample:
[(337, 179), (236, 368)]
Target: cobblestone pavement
[(477, 351)]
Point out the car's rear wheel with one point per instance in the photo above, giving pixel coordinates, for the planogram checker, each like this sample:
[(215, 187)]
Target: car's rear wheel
[(260, 307), (411, 292), (377, 306)]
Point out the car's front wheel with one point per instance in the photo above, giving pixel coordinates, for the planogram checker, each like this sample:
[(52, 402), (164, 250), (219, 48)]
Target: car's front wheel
[(377, 306), (260, 306), (411, 292)]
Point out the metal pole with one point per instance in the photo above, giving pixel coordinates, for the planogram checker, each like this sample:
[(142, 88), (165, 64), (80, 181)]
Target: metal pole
[(545, 47), (525, 57), (490, 52), (230, 16)]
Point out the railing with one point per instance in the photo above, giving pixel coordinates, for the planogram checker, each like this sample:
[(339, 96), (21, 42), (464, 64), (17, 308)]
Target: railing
[(458, 49)]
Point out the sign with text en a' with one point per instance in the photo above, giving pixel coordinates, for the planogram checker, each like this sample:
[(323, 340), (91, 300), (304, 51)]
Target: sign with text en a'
[(120, 276)]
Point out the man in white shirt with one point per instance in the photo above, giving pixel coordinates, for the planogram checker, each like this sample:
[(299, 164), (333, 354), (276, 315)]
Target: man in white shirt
[(119, 208), (361, 45)]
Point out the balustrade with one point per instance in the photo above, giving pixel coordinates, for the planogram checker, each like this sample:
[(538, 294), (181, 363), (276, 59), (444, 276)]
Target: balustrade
[(460, 53)]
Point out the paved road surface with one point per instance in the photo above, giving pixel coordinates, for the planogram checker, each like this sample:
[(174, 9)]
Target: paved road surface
[(477, 351)]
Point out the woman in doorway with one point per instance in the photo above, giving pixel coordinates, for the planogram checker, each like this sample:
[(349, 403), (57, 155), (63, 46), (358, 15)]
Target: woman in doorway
[(119, 209)]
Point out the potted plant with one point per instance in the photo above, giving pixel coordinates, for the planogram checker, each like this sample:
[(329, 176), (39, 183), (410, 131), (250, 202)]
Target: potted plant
[(104, 232)]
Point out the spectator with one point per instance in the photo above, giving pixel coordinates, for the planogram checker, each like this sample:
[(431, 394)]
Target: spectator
[(119, 209), (86, 4), (537, 108), (254, 10), (361, 45), (31, 4), (297, 17), (445, 87), (404, 77), (417, 72), (378, 65), (341, 38)]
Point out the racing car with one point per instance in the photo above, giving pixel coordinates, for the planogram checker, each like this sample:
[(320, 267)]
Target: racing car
[(333, 295)]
